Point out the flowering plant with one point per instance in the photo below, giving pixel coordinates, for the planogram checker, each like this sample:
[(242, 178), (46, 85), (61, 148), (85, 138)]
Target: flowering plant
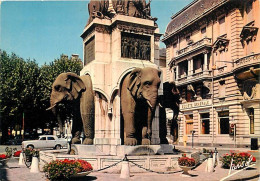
[(64, 169), (31, 152), (3, 156), (238, 159), (17, 153), (186, 161)]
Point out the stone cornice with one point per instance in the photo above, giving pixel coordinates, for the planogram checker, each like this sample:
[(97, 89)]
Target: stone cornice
[(206, 13)]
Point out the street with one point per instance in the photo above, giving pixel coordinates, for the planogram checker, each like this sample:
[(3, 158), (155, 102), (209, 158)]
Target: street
[(14, 172)]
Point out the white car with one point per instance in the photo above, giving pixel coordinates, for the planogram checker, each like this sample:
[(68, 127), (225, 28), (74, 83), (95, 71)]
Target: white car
[(45, 141)]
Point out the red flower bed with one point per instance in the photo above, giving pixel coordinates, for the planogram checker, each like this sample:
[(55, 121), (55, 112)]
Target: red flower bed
[(254, 159), (238, 159), (186, 161), (63, 169), (17, 153), (3, 156)]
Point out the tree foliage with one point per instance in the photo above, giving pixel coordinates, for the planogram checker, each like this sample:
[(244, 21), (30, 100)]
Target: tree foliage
[(25, 88)]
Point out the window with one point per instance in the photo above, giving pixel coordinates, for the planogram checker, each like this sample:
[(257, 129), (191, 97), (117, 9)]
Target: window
[(222, 89), (252, 122), (204, 119), (223, 126), (174, 74), (43, 138), (188, 40), (189, 123), (222, 26), (174, 46), (183, 69), (198, 63), (203, 32), (51, 138)]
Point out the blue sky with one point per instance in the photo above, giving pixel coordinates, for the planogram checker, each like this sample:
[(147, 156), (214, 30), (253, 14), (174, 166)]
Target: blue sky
[(43, 30)]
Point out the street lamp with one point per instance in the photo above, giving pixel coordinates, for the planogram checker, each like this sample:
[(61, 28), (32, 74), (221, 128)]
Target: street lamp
[(192, 135)]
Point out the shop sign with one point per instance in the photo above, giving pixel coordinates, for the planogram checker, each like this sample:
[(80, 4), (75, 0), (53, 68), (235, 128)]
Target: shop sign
[(196, 104)]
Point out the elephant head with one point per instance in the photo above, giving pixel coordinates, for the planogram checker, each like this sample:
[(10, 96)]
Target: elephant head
[(139, 95), (144, 84), (66, 87)]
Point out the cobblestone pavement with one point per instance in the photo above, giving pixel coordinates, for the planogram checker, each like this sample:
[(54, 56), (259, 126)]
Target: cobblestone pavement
[(22, 173)]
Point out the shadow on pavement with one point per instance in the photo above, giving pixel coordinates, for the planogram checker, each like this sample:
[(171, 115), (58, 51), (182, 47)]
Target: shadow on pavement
[(83, 178), (255, 177), (3, 173)]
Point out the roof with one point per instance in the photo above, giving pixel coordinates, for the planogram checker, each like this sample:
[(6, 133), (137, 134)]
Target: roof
[(190, 13)]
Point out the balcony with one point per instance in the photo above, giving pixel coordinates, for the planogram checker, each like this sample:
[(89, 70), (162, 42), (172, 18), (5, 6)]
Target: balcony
[(205, 42), (247, 61), (195, 77)]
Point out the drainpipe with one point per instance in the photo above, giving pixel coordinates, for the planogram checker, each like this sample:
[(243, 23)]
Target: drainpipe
[(212, 81)]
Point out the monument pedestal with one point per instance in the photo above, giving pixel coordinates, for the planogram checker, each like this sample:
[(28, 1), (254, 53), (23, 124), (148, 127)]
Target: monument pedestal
[(121, 150), (112, 49)]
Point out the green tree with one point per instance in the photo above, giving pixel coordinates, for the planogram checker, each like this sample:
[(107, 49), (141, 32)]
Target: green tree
[(25, 88), (18, 85)]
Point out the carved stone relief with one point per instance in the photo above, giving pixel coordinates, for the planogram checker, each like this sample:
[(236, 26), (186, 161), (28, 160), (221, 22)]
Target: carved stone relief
[(251, 90), (135, 46), (89, 49), (131, 28)]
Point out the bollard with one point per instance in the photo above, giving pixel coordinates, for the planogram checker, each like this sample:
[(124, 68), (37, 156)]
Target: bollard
[(125, 170), (35, 165), (209, 166), (21, 160)]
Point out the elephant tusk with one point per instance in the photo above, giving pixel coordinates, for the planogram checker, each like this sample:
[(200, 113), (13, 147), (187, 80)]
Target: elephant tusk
[(148, 102), (50, 107), (160, 105)]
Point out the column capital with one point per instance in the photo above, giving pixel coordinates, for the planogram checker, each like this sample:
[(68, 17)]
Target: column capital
[(205, 52)]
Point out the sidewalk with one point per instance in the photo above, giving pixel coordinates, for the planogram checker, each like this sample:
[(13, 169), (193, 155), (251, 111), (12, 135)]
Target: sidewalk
[(22, 173)]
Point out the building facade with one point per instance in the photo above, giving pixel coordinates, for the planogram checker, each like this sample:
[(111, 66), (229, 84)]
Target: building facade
[(212, 54)]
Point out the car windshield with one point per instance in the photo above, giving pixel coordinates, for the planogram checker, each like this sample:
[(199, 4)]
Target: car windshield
[(43, 138)]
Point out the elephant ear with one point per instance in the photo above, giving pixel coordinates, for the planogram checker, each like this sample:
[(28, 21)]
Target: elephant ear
[(134, 81), (74, 84)]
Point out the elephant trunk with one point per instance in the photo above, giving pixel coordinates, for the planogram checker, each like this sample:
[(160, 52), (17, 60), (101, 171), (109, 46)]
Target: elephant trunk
[(53, 104), (150, 116), (152, 100), (57, 114)]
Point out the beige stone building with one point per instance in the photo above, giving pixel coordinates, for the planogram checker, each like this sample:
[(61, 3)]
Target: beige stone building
[(213, 54)]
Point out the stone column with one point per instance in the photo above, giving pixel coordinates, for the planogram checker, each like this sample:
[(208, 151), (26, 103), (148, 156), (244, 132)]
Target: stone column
[(177, 72), (189, 67), (205, 69)]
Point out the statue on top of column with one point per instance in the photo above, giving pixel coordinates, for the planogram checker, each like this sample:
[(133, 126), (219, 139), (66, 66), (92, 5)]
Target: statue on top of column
[(109, 8)]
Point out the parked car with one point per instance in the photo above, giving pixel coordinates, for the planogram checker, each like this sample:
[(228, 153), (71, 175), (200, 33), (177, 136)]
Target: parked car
[(45, 141), (17, 140)]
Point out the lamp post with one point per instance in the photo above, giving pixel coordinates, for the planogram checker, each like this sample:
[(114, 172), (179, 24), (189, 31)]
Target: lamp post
[(192, 135)]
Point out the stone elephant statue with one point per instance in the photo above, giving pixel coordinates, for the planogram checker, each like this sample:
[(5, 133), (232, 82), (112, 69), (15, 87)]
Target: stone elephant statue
[(76, 90), (171, 99), (139, 93)]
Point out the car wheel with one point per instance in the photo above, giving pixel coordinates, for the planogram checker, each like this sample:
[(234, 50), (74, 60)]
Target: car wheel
[(58, 147), (30, 146)]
